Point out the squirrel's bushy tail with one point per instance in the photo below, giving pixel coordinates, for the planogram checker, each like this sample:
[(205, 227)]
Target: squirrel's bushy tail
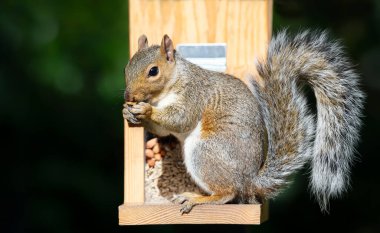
[(294, 135)]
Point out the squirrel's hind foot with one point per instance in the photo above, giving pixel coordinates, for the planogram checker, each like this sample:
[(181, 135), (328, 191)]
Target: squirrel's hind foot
[(189, 200)]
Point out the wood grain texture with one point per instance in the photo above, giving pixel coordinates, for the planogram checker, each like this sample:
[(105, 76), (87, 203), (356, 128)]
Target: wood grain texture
[(133, 163), (203, 214), (245, 26)]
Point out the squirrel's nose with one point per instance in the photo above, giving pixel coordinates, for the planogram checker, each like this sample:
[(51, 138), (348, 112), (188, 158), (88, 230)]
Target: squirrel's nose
[(128, 97)]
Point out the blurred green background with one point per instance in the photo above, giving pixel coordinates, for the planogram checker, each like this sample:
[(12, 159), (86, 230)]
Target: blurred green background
[(61, 94)]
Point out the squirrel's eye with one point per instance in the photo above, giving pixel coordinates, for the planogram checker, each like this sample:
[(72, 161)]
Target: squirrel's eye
[(153, 71)]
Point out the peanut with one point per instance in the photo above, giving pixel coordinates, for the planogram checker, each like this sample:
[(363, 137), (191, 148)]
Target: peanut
[(151, 143), (151, 162), (131, 103), (157, 156), (156, 148), (149, 153)]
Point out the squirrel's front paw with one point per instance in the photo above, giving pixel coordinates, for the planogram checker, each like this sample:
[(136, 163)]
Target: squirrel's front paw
[(129, 116), (141, 110)]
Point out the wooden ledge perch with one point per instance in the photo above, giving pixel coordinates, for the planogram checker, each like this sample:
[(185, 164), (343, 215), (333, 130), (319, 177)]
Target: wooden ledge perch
[(153, 214)]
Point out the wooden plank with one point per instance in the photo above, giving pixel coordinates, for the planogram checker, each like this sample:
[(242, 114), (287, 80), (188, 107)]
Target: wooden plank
[(133, 163), (134, 172), (130, 214), (244, 25)]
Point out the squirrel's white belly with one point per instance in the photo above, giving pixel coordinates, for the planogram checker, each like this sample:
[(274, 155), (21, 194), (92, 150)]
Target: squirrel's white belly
[(166, 100), (190, 143)]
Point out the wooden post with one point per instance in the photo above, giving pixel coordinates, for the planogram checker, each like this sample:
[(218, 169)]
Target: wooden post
[(245, 26), (133, 164)]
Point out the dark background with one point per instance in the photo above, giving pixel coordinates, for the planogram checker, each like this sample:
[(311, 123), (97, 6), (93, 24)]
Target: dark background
[(61, 85)]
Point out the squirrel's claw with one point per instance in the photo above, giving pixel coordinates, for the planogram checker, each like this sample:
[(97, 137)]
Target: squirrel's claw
[(129, 116), (186, 207), (185, 201), (134, 121), (141, 110)]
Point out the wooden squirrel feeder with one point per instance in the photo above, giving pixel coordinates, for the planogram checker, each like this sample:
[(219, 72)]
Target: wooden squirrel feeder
[(245, 27)]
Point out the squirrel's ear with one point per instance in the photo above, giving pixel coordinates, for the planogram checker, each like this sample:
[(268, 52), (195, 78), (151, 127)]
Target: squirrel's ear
[(143, 42), (167, 48)]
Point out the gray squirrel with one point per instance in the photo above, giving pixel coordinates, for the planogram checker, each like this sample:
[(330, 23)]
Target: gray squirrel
[(241, 143)]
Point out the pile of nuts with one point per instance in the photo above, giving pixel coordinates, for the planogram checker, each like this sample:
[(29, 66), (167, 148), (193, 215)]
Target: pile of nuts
[(153, 152)]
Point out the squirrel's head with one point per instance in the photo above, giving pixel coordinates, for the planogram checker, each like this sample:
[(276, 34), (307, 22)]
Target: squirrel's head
[(149, 70)]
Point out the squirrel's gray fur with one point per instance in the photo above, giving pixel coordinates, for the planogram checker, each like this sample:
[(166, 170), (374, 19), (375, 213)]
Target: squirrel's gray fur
[(242, 143), (310, 58)]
